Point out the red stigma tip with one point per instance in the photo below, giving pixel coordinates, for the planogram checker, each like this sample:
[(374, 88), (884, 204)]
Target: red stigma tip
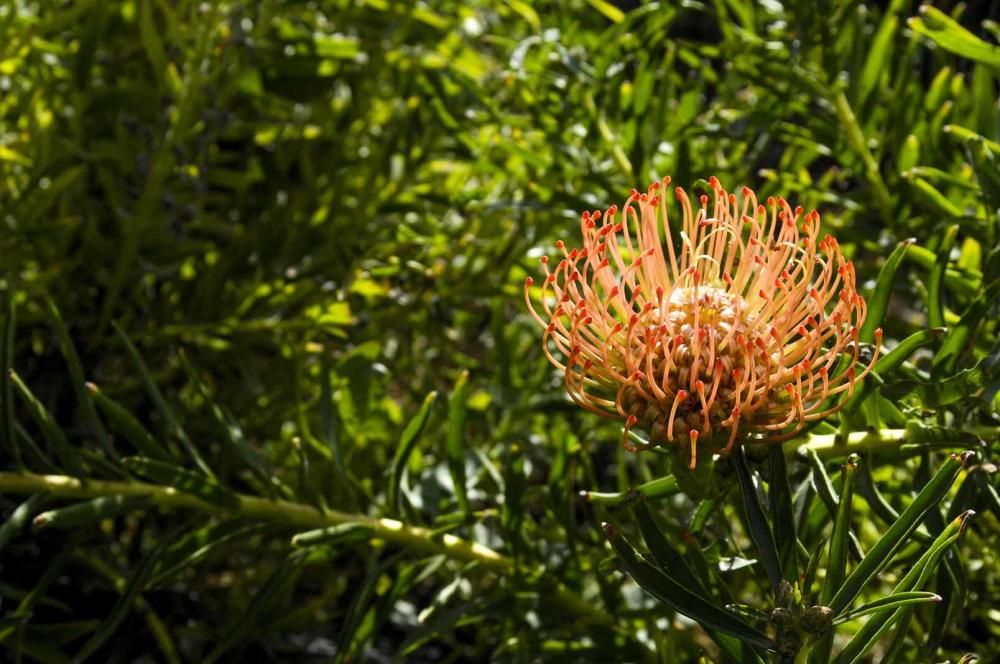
[(528, 281)]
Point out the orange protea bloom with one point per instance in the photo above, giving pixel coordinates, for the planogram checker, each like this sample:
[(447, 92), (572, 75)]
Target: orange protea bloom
[(740, 321)]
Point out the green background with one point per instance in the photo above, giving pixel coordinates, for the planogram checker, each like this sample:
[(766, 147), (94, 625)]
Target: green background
[(267, 231)]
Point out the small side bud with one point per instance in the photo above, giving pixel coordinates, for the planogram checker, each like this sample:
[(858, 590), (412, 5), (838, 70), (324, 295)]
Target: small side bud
[(817, 620)]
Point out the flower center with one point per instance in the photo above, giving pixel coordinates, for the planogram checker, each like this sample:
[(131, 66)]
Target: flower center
[(698, 377)]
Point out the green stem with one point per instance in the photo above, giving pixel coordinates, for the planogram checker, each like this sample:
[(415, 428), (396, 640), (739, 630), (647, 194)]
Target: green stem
[(416, 538), (889, 441)]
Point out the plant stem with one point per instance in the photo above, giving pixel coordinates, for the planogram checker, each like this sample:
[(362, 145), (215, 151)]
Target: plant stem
[(889, 441), (416, 538)]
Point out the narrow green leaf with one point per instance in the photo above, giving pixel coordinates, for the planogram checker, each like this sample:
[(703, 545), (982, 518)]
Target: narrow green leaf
[(670, 560), (963, 385), (407, 441), (661, 487), (151, 41), (877, 56), (338, 534), (232, 435), (936, 202), (610, 11), (913, 580), (173, 424), (19, 518), (54, 435), (881, 554), (90, 511), (126, 424), (961, 335), (679, 598), (360, 605), (879, 505), (79, 382), (893, 601), (455, 442), (182, 479), (6, 384), (124, 605), (780, 494), (760, 529), (811, 566), (263, 601), (828, 495), (878, 299), (963, 282), (836, 566), (198, 545), (935, 290), (328, 418), (947, 33), (891, 360)]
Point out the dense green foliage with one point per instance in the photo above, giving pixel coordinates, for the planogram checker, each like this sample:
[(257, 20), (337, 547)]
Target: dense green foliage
[(262, 268)]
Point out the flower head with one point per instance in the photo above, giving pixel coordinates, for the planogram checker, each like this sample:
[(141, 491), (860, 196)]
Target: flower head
[(739, 320)]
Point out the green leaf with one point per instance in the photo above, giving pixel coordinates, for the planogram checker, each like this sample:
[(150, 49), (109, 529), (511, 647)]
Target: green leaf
[(6, 384), (951, 36), (935, 291), (182, 479), (19, 518), (126, 424), (888, 363), (878, 55), (610, 11), (262, 602), (173, 423), (455, 442), (780, 494), (670, 560), (407, 441), (54, 435), (963, 385), (76, 375), (913, 580), (881, 554), (231, 433), (200, 544), (661, 487), (809, 577), (893, 601), (679, 598), (338, 534), (760, 529), (122, 608), (878, 299), (836, 566), (961, 335), (90, 511), (151, 41)]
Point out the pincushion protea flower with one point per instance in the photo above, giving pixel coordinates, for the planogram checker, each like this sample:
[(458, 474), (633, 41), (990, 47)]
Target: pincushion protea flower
[(741, 321)]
